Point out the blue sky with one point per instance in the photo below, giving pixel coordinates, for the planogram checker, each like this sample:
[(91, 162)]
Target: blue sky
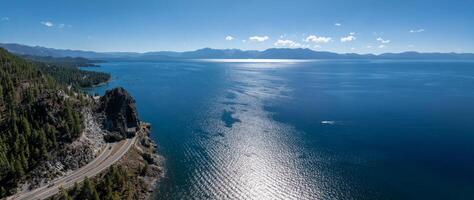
[(364, 26)]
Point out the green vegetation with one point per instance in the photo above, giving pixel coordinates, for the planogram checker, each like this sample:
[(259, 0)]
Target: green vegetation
[(113, 185), (62, 61), (37, 117), (65, 70), (74, 76)]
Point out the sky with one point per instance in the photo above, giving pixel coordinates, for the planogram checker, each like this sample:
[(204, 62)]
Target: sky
[(363, 26)]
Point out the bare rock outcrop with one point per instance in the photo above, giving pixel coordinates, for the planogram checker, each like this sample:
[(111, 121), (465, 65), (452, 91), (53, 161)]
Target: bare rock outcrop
[(120, 114), (72, 156)]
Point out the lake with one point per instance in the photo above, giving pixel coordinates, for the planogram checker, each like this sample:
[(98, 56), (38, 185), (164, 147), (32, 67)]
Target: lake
[(292, 129)]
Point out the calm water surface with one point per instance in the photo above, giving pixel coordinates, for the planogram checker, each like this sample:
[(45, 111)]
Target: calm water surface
[(308, 130)]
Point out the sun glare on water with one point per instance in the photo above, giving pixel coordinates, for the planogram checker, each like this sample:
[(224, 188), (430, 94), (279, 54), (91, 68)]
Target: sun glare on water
[(256, 60)]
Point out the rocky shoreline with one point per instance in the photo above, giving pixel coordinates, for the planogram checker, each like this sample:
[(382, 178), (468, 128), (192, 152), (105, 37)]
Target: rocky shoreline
[(142, 167), (116, 116), (144, 164), (110, 118)]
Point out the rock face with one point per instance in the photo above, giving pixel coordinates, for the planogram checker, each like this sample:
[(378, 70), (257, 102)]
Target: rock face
[(120, 114)]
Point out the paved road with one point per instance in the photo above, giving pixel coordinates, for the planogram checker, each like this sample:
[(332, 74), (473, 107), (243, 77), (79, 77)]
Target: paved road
[(109, 155)]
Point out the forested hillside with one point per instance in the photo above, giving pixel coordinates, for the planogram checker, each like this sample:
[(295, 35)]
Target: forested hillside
[(73, 76), (66, 70), (37, 116), (63, 61)]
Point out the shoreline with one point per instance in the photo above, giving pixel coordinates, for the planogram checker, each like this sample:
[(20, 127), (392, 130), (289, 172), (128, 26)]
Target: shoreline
[(146, 164), (96, 85), (140, 170), (99, 84), (142, 153)]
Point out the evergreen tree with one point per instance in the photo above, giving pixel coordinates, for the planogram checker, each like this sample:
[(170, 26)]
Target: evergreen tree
[(1, 93), (64, 195), (18, 168), (3, 191), (88, 191), (144, 169), (25, 127)]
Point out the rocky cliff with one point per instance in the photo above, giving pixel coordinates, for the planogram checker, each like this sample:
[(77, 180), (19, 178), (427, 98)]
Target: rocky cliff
[(120, 116)]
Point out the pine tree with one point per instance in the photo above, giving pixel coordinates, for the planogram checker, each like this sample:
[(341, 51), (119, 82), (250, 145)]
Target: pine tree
[(77, 124), (3, 191), (64, 194), (144, 169), (75, 191), (88, 191), (18, 168), (25, 126), (1, 94)]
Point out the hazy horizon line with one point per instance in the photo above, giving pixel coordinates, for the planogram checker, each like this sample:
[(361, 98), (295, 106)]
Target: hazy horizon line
[(259, 50)]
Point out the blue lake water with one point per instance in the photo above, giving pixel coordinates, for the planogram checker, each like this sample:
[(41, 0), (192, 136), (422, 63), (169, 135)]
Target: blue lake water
[(307, 130)]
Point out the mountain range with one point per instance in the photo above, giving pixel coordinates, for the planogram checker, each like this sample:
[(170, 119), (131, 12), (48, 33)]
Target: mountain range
[(208, 53)]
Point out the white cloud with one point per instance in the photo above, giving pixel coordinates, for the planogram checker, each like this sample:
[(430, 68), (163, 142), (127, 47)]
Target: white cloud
[(316, 46), (417, 31), (381, 46), (337, 24), (47, 23), (348, 38), (244, 41), (51, 25), (352, 33), (5, 19), (287, 43), (258, 38), (369, 47), (383, 41), (229, 38), (317, 39), (378, 33)]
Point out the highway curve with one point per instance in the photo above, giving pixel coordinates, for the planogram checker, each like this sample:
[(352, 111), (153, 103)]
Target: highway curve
[(109, 155)]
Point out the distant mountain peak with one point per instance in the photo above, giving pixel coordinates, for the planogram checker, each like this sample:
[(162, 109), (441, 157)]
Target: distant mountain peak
[(211, 53)]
